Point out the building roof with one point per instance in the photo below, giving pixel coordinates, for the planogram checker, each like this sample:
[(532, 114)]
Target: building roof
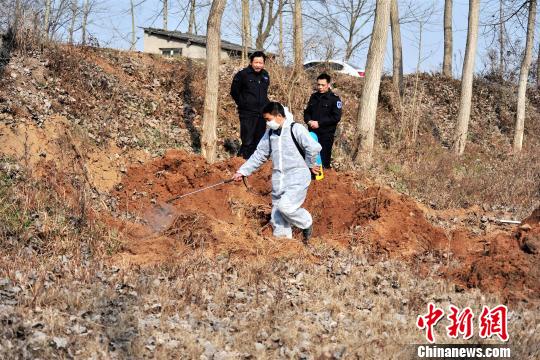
[(196, 39)]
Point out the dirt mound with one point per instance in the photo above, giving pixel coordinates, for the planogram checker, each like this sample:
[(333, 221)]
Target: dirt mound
[(396, 224), (528, 235), (232, 219), (534, 218), (502, 265)]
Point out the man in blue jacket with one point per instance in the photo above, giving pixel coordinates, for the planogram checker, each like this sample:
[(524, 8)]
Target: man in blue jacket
[(249, 90), (322, 115), (294, 158)]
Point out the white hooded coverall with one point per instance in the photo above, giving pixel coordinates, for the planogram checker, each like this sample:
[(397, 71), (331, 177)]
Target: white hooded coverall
[(291, 174)]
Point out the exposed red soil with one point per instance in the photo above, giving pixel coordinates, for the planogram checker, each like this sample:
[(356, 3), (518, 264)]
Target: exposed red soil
[(230, 219)]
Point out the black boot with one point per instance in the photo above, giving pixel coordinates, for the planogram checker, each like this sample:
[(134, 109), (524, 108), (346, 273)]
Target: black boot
[(307, 234)]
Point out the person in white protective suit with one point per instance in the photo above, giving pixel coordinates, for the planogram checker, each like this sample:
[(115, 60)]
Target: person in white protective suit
[(294, 153)]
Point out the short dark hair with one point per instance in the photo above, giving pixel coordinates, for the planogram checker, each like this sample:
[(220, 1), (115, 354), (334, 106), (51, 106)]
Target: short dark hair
[(257, 54), (274, 108), (325, 76)]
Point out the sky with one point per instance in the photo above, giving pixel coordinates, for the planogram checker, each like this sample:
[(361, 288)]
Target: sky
[(111, 25)]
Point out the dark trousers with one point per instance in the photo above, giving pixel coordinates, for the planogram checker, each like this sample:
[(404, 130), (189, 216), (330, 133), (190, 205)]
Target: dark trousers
[(327, 141), (252, 128)]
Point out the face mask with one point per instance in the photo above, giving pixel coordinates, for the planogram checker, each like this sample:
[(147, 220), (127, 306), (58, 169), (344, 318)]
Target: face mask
[(272, 124)]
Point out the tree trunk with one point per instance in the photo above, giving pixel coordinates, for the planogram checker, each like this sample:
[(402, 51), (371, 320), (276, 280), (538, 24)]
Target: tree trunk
[(413, 117), (47, 19), (36, 22), (447, 59), (501, 39), (523, 77), (271, 16), (191, 25), (467, 79), (348, 47), (86, 10), (165, 14), (370, 93), (260, 24), (246, 30), (397, 57), (72, 20), (538, 67), (298, 37), (281, 48), (213, 45), (17, 15), (133, 37)]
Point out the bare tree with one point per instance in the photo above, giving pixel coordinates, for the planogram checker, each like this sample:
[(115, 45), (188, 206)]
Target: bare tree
[(58, 15), (267, 20), (191, 25), (46, 19), (322, 45), (246, 30), (213, 35), (397, 57), (133, 35), (22, 13), (501, 39), (17, 15), (281, 48), (86, 12), (467, 79), (504, 56), (345, 19), (298, 36), (195, 7), (523, 77), (165, 14), (74, 9), (447, 59), (370, 93), (538, 67), (411, 120)]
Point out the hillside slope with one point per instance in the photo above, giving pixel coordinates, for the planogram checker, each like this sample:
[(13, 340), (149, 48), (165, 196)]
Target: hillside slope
[(94, 141)]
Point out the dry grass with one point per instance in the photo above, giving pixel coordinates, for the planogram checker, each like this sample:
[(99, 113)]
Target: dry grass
[(57, 286), (438, 178), (344, 307), (60, 299), (49, 217), (413, 150)]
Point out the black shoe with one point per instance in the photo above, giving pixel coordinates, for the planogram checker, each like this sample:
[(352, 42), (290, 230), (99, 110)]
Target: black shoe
[(307, 234)]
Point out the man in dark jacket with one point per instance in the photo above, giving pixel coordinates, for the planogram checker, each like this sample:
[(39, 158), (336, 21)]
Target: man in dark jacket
[(249, 90), (322, 115)]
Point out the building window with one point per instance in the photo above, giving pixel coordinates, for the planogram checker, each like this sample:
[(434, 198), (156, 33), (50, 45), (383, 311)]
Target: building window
[(171, 51)]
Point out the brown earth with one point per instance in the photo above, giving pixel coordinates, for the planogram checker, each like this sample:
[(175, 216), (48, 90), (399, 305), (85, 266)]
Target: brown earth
[(94, 139), (58, 142), (230, 219), (115, 111)]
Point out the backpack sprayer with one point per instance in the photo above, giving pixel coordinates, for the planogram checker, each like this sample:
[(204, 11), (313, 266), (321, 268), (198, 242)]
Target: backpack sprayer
[(320, 175), (314, 136)]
